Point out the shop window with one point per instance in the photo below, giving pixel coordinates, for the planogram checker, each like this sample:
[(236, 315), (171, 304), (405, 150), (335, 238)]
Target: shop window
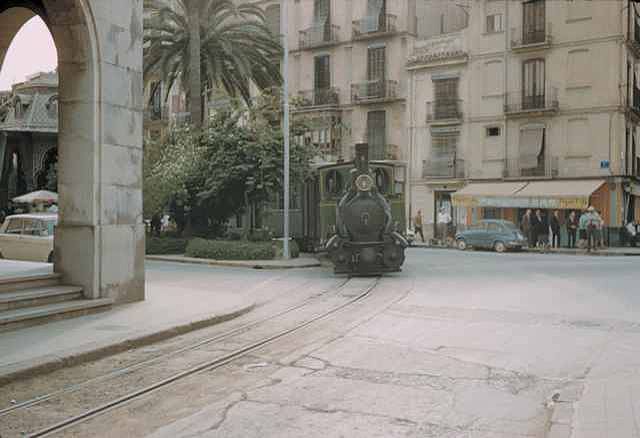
[(491, 213)]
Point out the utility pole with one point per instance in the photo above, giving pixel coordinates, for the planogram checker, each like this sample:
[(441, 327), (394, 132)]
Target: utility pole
[(285, 128)]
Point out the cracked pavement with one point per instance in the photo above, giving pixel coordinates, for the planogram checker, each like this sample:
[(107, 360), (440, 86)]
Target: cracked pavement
[(464, 345)]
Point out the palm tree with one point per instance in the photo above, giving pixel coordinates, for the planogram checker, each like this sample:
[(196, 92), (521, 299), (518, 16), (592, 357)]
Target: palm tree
[(213, 42)]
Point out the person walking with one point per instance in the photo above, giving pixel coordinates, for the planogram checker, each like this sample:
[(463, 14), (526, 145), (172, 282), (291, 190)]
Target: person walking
[(417, 225), (526, 226), (572, 229), (554, 223), (444, 220), (599, 229)]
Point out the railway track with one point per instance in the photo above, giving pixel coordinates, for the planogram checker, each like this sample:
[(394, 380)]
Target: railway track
[(346, 294)]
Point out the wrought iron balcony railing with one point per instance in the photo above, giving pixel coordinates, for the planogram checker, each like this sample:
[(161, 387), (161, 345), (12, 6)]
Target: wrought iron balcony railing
[(319, 35), (319, 97), (545, 166), (444, 109), (370, 26), (530, 35), (374, 90), (520, 101), (444, 166)]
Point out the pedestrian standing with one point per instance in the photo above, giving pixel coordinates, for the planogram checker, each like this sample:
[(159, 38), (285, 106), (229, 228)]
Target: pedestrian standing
[(444, 219), (155, 225), (554, 223), (572, 229), (541, 230), (527, 227), (591, 223), (599, 229), (417, 225)]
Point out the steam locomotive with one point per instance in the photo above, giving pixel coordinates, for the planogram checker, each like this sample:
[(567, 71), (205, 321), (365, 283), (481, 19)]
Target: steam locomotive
[(365, 242)]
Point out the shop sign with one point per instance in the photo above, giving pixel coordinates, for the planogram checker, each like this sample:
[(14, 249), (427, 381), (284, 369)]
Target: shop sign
[(577, 203)]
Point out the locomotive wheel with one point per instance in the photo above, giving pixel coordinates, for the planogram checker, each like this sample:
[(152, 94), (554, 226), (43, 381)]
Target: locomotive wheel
[(500, 247), (461, 244)]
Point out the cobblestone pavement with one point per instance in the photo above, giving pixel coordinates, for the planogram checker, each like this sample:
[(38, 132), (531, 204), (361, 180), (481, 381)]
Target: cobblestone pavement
[(464, 345)]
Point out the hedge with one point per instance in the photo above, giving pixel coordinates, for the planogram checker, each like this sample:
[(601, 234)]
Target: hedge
[(294, 248), (165, 245), (230, 250)]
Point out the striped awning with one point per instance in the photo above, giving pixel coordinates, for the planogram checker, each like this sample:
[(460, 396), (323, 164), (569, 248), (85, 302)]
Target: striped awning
[(562, 195)]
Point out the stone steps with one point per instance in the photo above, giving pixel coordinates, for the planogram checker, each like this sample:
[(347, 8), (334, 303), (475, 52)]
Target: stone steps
[(25, 317), (38, 299), (29, 282)]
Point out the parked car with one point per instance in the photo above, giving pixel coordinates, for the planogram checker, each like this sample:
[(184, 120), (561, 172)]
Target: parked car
[(499, 235), (28, 237)]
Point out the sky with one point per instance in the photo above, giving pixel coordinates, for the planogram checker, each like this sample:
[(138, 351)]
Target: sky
[(31, 51)]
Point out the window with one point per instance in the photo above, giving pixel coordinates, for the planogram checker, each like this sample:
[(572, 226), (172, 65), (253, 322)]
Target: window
[(376, 10), (533, 90), (333, 184), (446, 98), (578, 136), (494, 23), (578, 68), (322, 12), (322, 69), (376, 63), (494, 213), (382, 180), (533, 22), (14, 226), (376, 134), (493, 131), (444, 144), (532, 150), (493, 78)]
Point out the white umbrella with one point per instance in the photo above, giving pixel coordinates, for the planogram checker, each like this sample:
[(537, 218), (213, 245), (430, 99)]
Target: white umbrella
[(40, 196)]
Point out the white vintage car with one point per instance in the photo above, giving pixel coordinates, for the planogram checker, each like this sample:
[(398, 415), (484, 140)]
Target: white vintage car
[(28, 237)]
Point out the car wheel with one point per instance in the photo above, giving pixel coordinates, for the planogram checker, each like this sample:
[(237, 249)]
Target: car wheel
[(461, 244), (500, 247), (50, 258)]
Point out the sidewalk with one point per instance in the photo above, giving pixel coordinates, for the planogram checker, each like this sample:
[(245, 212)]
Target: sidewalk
[(610, 252), (304, 261), (179, 299)]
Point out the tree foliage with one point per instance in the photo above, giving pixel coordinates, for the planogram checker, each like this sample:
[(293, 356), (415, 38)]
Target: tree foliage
[(234, 162), (232, 42)]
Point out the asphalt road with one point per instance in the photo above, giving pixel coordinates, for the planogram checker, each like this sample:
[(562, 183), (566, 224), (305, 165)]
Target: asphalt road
[(471, 344)]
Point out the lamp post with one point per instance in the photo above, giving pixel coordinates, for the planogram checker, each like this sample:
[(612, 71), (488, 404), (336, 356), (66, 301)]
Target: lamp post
[(285, 128)]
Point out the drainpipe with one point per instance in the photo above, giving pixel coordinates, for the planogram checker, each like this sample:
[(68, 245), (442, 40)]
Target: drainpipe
[(506, 83)]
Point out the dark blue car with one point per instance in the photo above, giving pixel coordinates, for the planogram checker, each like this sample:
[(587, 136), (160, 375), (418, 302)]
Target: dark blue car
[(499, 235)]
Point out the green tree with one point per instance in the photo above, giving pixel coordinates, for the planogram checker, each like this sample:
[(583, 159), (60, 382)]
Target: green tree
[(231, 45)]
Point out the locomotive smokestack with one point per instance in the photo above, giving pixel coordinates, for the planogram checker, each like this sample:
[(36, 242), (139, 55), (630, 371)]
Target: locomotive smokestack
[(362, 157)]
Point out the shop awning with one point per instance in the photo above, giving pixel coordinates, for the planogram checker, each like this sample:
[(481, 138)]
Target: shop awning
[(487, 194), (563, 195)]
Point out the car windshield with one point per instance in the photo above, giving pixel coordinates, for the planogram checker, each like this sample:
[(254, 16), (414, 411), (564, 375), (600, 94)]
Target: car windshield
[(510, 226)]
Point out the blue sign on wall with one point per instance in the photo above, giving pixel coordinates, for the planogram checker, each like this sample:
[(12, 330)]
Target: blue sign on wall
[(604, 164)]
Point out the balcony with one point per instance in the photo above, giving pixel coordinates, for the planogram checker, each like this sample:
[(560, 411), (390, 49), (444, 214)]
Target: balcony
[(384, 152), (372, 27), (519, 104), (319, 36), (445, 111), (530, 37), (444, 166), (547, 167), (374, 91), (327, 97)]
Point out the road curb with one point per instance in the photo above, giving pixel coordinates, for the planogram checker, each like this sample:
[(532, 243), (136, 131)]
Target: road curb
[(249, 264), (535, 251), (92, 352)]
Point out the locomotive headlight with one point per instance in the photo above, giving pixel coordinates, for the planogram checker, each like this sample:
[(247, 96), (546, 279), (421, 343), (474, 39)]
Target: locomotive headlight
[(364, 183)]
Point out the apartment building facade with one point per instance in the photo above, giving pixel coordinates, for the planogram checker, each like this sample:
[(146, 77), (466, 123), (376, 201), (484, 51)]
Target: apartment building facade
[(533, 105)]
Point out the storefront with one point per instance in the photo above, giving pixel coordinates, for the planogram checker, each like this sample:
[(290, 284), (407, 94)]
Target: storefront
[(509, 200)]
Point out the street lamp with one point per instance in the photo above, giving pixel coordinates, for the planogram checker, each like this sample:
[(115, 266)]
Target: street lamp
[(285, 128)]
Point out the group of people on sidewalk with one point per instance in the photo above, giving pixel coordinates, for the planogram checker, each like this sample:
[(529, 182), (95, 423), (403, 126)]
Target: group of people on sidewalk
[(585, 230)]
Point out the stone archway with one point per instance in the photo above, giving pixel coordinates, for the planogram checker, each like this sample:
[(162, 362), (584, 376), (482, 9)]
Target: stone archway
[(100, 238)]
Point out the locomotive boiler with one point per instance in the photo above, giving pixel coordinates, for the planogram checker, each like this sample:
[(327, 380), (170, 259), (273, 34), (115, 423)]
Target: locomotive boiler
[(365, 242)]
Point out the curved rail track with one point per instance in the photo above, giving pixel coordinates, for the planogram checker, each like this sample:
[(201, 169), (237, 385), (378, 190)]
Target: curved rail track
[(208, 365)]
